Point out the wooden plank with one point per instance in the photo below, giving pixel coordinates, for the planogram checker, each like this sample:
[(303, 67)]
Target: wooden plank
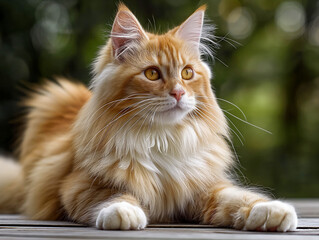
[(155, 233), (21, 222), (308, 223), (11, 216), (18, 227), (302, 223), (305, 207)]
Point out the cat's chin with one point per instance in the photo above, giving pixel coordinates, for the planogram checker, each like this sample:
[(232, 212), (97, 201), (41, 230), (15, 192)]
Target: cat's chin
[(171, 116)]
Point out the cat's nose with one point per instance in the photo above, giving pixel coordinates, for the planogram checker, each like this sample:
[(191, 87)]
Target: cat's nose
[(177, 93)]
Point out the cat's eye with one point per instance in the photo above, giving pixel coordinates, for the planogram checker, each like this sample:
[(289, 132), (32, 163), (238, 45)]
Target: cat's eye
[(187, 73), (152, 74)]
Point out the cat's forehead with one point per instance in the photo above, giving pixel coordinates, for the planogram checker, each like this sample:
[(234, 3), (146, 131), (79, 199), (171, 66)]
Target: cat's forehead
[(169, 50)]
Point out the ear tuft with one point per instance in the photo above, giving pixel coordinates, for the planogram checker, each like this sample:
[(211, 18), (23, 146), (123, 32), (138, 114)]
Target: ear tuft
[(191, 29), (195, 32), (126, 31)]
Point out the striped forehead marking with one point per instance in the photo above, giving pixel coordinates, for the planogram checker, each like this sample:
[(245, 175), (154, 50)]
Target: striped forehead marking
[(169, 58)]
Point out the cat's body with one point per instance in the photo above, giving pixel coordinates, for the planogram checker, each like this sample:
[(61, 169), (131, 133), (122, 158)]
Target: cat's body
[(147, 144)]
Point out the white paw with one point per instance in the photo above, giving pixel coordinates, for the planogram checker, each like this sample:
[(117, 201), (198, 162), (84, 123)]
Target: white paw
[(122, 215), (272, 216)]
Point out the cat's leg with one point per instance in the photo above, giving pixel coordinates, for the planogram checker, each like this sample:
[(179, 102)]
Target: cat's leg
[(91, 204), (228, 205)]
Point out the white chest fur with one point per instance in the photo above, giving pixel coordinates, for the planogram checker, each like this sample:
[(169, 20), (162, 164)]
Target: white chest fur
[(163, 168)]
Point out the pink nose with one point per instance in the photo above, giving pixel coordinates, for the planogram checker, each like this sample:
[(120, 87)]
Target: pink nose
[(177, 93)]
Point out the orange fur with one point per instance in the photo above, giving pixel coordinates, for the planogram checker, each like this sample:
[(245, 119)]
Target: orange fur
[(11, 186), (92, 156)]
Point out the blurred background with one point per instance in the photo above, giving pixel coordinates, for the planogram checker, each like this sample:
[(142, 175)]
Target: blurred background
[(267, 64)]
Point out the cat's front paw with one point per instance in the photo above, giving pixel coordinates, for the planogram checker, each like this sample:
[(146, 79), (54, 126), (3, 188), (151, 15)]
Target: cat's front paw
[(122, 216), (272, 216)]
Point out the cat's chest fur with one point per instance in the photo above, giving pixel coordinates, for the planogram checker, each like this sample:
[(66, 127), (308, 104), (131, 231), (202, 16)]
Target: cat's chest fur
[(164, 168)]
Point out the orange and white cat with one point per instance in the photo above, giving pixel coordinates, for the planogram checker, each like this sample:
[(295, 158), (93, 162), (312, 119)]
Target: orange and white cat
[(146, 144)]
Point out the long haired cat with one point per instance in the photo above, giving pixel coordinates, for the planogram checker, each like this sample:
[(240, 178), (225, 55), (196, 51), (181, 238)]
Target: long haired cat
[(146, 144)]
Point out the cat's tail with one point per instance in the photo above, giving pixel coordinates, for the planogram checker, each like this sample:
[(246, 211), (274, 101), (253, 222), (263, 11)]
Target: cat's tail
[(11, 186)]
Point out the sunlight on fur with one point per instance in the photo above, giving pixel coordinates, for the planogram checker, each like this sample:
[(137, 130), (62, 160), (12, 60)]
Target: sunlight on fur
[(135, 147)]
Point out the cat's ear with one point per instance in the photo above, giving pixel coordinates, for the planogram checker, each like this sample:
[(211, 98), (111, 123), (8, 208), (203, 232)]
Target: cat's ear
[(126, 31), (191, 30)]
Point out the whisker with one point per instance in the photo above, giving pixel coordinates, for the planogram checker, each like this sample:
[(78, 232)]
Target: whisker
[(147, 104), (235, 132), (146, 117), (194, 118), (105, 128), (228, 40), (238, 118), (205, 105), (204, 115), (122, 115), (153, 117), (221, 61), (114, 102), (233, 104), (132, 108), (127, 123), (247, 122), (239, 138), (234, 149), (227, 137), (231, 122)]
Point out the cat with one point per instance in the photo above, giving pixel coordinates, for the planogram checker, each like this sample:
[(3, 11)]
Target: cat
[(146, 143)]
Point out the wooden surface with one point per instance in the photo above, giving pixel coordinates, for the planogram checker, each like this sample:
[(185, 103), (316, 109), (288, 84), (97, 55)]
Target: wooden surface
[(17, 227)]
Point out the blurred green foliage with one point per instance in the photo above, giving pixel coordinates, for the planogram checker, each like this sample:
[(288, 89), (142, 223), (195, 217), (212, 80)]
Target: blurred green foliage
[(267, 64)]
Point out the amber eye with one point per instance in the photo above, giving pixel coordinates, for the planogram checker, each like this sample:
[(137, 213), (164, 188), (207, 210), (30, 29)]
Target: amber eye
[(187, 73), (152, 74)]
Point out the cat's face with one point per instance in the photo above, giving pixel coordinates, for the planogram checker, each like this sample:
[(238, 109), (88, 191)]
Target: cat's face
[(169, 74), (160, 78)]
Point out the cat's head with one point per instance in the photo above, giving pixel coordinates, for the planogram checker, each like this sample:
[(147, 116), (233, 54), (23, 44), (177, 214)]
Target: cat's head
[(159, 77)]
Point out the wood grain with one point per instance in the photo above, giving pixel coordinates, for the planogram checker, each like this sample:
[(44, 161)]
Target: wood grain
[(18, 227)]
